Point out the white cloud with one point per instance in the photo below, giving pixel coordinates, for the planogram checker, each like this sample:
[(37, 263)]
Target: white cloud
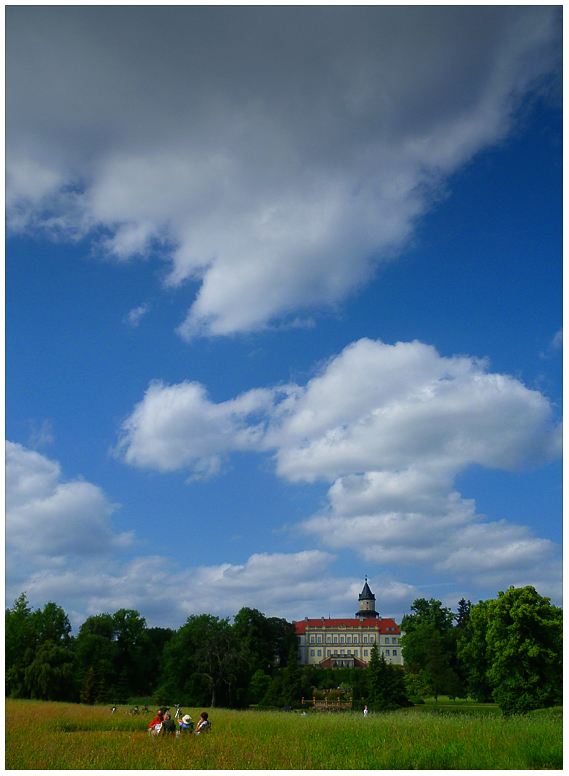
[(379, 407), (41, 436), (134, 316), (278, 172), (177, 426), (48, 519), (374, 408), (554, 346), (557, 341), (279, 584), (390, 426)]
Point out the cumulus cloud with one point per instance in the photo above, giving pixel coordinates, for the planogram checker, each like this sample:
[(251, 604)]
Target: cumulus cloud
[(390, 427), (62, 546), (177, 426), (374, 407), (280, 171), (279, 584), (49, 519), (390, 407)]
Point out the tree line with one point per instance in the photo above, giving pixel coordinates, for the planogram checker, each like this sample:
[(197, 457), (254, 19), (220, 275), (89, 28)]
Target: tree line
[(506, 650)]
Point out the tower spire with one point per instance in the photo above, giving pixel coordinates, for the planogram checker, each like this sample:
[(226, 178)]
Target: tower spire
[(366, 603)]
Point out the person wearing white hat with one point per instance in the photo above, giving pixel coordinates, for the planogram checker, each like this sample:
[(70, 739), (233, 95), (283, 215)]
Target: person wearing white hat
[(185, 723)]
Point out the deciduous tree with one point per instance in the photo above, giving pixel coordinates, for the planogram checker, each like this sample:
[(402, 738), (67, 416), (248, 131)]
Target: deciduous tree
[(525, 639)]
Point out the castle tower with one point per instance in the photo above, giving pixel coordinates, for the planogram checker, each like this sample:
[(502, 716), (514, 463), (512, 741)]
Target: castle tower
[(367, 603)]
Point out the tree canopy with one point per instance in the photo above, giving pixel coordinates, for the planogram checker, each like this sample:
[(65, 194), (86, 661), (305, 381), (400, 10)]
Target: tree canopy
[(506, 649)]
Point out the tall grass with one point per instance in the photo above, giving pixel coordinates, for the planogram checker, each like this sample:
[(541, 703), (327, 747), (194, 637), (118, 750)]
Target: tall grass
[(46, 736)]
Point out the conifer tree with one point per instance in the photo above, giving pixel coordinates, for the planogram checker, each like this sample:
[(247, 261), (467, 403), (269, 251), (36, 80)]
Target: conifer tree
[(89, 687), (374, 675)]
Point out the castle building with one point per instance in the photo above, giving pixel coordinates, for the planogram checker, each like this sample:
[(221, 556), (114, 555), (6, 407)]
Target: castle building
[(347, 643)]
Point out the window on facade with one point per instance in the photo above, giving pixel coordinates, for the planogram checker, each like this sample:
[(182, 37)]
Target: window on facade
[(342, 652), (311, 653), (371, 639), (365, 639), (348, 639), (319, 652), (356, 652), (387, 652), (355, 639), (394, 640), (319, 639), (312, 639), (394, 653), (341, 639), (365, 652), (328, 653), (335, 639), (335, 651), (328, 639)]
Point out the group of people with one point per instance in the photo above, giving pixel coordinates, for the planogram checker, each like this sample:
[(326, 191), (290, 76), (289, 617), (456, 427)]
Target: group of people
[(163, 723)]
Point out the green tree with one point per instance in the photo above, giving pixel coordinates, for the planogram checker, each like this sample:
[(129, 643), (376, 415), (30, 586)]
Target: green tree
[(417, 684), (20, 641), (218, 657), (463, 614), (432, 652), (429, 612), (89, 687), (40, 662), (95, 649), (284, 637), (258, 686), (525, 638), (52, 624), (275, 691), (415, 645), (256, 636), (386, 683), (51, 674), (396, 690), (475, 654), (132, 645), (437, 667), (375, 675), (201, 662), (292, 682)]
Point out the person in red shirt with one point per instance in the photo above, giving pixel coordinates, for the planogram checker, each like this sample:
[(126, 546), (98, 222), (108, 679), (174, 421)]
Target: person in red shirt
[(158, 720)]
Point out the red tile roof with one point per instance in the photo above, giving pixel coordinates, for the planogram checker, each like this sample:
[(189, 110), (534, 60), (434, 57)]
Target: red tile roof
[(384, 623)]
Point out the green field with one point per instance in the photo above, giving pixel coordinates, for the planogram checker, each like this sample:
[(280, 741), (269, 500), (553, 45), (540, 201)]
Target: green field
[(66, 736)]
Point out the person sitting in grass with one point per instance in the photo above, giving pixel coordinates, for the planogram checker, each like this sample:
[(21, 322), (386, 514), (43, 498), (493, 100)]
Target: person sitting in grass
[(168, 726), (203, 723), (156, 724), (185, 723)]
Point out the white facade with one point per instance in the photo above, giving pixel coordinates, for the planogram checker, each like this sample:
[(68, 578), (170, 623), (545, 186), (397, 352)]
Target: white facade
[(343, 643)]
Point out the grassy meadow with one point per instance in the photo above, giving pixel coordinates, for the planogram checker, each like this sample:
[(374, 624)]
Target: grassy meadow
[(62, 736)]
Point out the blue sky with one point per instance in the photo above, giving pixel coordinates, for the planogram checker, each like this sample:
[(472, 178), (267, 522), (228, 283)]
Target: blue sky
[(283, 307)]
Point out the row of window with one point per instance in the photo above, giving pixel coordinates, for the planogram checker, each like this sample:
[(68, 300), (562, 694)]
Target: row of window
[(349, 652), (349, 640)]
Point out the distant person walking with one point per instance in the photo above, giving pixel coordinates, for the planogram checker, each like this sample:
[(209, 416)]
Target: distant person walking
[(366, 712)]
